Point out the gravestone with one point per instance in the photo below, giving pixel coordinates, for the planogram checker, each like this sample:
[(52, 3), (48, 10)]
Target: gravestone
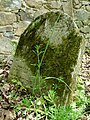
[(48, 56)]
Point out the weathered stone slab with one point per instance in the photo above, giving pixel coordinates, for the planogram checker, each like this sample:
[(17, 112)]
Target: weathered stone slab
[(48, 50), (25, 15), (7, 48), (7, 28), (53, 5), (34, 3), (20, 27), (7, 18), (9, 5), (85, 29)]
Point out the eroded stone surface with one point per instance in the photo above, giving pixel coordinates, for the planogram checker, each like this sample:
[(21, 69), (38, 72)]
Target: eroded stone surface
[(7, 28), (54, 36), (85, 29), (7, 18), (34, 3), (8, 5), (20, 27), (82, 15), (8, 47)]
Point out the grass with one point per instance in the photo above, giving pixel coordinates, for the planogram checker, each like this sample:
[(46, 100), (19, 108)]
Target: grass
[(64, 113), (46, 107)]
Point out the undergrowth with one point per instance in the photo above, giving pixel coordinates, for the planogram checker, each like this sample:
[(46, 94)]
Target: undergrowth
[(45, 105)]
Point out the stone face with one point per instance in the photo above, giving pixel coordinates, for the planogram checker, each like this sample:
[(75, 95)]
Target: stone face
[(86, 22), (79, 24), (87, 36), (67, 7), (53, 5), (77, 6), (7, 28), (85, 29), (7, 47), (77, 2), (1, 35), (40, 12), (25, 16), (9, 34), (9, 5), (20, 27), (82, 15), (34, 3), (88, 8), (7, 18), (49, 49)]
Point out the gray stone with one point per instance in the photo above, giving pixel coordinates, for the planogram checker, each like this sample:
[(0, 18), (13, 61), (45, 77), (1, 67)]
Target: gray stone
[(82, 15), (83, 7), (86, 22), (34, 3), (2, 57), (41, 11), (85, 29), (53, 5), (67, 8), (1, 35), (79, 24), (7, 28), (25, 15), (9, 5), (7, 47), (77, 2), (9, 34), (15, 39), (88, 43), (87, 36), (7, 18), (77, 6), (20, 27), (52, 45), (85, 2), (88, 8)]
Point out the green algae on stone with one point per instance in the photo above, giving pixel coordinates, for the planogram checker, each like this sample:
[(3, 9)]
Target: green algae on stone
[(59, 47)]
